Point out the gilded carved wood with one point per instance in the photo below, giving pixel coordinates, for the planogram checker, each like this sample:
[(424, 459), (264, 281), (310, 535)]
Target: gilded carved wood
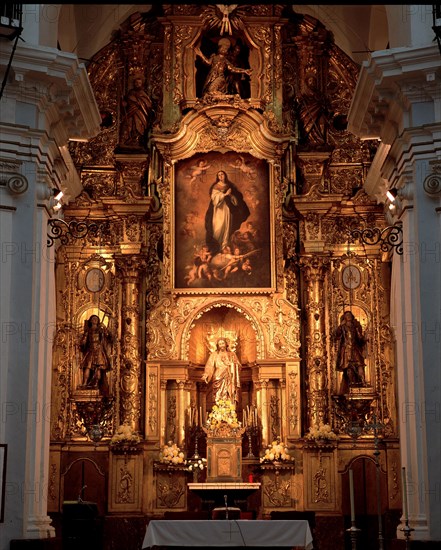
[(291, 121)]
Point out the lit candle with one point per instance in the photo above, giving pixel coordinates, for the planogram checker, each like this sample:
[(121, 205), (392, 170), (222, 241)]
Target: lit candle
[(404, 491), (351, 494)]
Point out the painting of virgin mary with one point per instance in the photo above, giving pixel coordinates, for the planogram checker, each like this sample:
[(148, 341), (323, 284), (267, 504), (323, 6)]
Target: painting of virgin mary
[(222, 229)]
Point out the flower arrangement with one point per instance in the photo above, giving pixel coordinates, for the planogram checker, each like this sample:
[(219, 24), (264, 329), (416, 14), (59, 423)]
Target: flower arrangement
[(322, 431), (275, 452), (223, 412), (125, 435), (171, 454)]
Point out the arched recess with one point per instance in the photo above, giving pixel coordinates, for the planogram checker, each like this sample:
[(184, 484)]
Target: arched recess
[(229, 317), (209, 38)]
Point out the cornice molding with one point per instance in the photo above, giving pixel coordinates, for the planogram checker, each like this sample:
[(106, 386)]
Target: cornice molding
[(387, 86), (63, 79)]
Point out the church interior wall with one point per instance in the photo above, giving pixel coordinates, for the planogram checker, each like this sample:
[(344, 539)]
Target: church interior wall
[(144, 290)]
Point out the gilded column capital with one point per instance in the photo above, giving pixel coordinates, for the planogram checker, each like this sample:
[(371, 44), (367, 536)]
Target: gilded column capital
[(131, 169), (181, 384), (130, 267), (314, 267)]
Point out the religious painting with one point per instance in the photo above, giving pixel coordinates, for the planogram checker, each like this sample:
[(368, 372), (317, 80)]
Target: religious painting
[(222, 222)]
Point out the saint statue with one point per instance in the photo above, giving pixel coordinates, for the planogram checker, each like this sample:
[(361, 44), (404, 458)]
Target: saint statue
[(351, 352), (96, 360), (222, 373), (136, 113), (314, 113), (218, 80)]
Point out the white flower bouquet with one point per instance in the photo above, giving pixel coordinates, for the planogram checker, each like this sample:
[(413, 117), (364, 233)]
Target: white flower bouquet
[(223, 412), (125, 435), (171, 454), (275, 452), (322, 431)]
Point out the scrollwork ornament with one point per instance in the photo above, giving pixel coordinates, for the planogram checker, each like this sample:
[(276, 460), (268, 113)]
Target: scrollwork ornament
[(182, 33), (17, 184), (432, 185)]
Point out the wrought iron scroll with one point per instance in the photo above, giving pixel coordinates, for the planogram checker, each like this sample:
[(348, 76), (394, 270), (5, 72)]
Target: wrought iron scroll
[(59, 229), (389, 238)]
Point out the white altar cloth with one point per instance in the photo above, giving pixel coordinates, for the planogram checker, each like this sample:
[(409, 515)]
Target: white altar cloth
[(228, 533)]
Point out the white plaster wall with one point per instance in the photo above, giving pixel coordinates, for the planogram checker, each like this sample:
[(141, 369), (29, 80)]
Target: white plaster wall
[(40, 24), (410, 25), (85, 29), (34, 129)]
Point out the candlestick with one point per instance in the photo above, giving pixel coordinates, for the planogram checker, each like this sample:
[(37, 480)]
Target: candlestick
[(351, 493), (404, 491), (200, 416)]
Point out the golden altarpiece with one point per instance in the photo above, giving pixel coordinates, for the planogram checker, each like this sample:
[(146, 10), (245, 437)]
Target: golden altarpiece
[(260, 94)]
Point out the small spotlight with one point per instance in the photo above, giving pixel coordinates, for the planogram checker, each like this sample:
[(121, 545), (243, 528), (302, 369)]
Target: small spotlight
[(391, 194), (391, 206), (57, 206), (59, 195)]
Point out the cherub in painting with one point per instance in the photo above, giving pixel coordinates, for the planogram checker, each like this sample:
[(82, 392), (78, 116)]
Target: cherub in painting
[(197, 170), (245, 167)]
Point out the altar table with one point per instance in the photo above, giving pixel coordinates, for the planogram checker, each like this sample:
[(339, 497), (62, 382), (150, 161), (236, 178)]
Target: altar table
[(229, 533)]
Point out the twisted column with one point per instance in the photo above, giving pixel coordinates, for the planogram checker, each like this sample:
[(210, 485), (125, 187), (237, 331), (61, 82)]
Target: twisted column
[(130, 366), (314, 269)]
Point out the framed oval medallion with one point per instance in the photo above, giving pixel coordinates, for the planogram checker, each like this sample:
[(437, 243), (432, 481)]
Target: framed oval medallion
[(351, 277), (94, 280)]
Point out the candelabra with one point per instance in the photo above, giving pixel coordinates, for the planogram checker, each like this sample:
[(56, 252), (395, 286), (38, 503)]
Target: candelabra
[(353, 529), (375, 427), (195, 432), (250, 431), (407, 530), (353, 532)]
